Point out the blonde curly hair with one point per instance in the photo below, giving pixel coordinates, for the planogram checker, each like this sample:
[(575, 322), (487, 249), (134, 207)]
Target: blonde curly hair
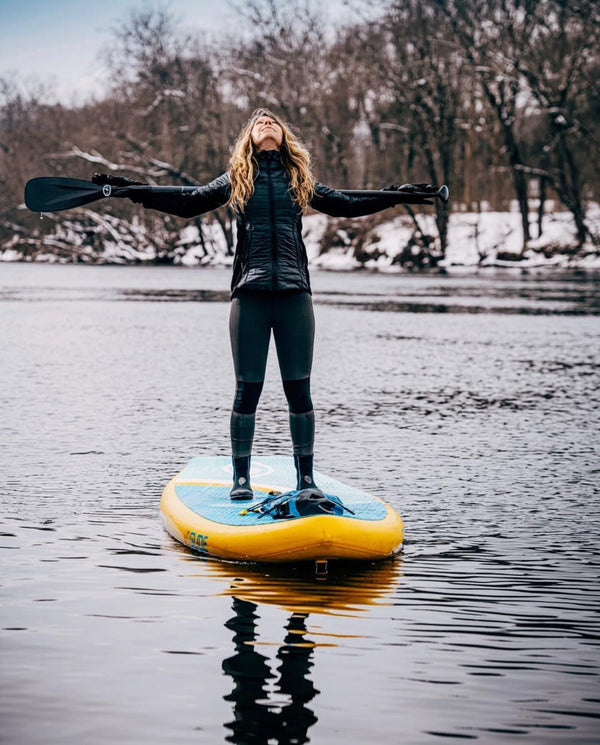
[(243, 164)]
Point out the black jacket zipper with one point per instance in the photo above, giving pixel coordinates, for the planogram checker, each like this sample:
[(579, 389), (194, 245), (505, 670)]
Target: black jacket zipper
[(273, 234)]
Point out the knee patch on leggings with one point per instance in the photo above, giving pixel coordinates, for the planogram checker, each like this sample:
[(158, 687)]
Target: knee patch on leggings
[(298, 397), (246, 397)]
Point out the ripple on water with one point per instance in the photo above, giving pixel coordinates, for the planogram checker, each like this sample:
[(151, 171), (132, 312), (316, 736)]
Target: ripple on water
[(479, 427)]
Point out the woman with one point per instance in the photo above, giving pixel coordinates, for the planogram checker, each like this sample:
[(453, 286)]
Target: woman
[(269, 184)]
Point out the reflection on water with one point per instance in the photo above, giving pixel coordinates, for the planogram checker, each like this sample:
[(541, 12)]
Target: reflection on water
[(481, 429), (283, 716), (274, 706), (346, 588)]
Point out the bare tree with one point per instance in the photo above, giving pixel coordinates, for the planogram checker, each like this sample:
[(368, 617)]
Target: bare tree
[(421, 87), (177, 125), (558, 63), (480, 30)]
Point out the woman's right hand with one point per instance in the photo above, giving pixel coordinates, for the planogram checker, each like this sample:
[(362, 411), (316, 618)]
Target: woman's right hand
[(106, 178)]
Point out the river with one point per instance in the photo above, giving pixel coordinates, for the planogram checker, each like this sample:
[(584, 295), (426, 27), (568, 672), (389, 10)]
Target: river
[(470, 403)]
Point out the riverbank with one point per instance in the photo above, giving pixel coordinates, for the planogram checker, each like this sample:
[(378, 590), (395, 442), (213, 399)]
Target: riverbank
[(404, 243), (484, 239)]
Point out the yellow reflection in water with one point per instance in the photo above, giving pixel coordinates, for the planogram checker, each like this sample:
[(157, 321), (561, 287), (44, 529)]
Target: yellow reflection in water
[(348, 588)]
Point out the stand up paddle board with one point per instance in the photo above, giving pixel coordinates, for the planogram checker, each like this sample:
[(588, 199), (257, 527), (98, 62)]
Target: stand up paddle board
[(196, 510)]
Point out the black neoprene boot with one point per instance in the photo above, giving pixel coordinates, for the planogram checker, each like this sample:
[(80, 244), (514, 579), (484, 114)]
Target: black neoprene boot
[(241, 479), (304, 472)]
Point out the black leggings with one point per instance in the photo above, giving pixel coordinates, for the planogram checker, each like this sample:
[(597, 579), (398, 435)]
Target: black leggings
[(290, 316)]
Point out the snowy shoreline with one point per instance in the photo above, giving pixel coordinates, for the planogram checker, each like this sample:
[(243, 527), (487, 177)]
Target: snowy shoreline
[(475, 240)]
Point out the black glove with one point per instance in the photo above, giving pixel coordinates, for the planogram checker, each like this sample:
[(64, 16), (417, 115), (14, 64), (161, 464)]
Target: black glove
[(106, 178), (408, 188), (412, 187)]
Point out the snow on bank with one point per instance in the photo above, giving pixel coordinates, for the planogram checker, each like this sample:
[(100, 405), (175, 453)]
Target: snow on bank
[(480, 238), (474, 240)]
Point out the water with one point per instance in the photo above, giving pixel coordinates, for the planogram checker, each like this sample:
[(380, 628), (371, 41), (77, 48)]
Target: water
[(469, 403)]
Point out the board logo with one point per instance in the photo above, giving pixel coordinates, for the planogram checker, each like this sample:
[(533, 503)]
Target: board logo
[(199, 541)]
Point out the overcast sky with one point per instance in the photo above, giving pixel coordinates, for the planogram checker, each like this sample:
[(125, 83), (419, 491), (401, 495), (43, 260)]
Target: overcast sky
[(60, 41)]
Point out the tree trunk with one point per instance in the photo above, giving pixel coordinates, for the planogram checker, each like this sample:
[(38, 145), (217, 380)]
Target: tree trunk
[(498, 104), (571, 195), (542, 197)]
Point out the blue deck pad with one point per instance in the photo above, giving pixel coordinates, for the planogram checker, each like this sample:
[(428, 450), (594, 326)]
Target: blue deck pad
[(271, 472)]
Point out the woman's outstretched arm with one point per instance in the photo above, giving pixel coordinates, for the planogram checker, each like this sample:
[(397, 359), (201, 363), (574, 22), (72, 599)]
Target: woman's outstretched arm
[(337, 204), (345, 204), (186, 204), (203, 199)]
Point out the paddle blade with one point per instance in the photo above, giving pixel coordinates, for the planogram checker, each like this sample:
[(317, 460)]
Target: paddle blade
[(52, 194)]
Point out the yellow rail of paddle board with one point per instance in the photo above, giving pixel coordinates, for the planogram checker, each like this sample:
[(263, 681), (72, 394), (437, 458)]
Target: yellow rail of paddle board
[(300, 539)]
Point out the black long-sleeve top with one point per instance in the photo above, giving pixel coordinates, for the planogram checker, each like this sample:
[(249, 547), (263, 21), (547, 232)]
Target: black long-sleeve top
[(270, 253)]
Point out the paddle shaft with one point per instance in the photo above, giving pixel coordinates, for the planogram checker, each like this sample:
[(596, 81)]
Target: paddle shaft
[(441, 193)]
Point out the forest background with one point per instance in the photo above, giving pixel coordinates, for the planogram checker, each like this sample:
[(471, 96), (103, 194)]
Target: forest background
[(499, 99)]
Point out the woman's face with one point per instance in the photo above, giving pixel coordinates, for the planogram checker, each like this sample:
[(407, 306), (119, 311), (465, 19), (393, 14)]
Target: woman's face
[(266, 134)]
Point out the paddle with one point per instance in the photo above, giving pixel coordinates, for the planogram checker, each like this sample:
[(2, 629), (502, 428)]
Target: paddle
[(54, 193)]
